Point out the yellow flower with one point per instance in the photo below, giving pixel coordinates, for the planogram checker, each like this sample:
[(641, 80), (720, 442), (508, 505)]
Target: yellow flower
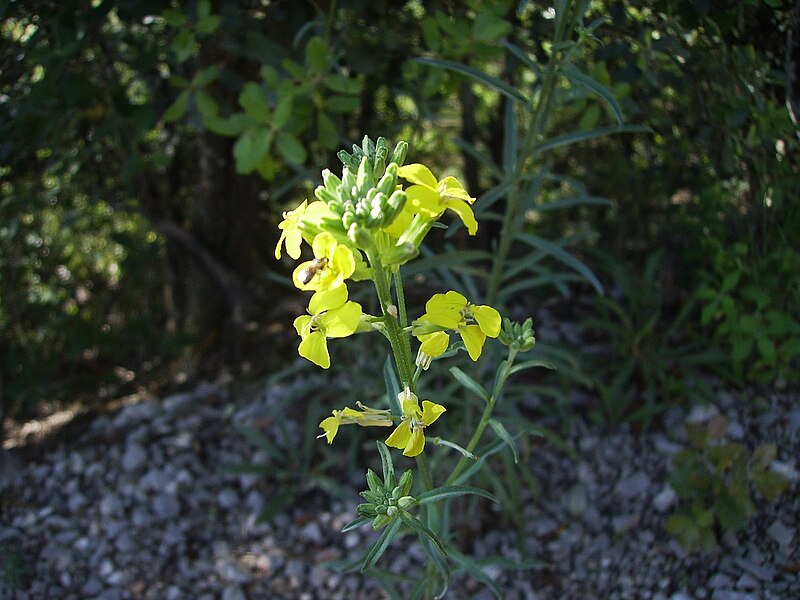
[(433, 345), (332, 264), (410, 434), (431, 197), (331, 316), (290, 232), (366, 417), (474, 323)]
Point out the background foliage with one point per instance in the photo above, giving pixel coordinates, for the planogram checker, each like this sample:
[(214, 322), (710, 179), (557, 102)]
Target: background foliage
[(148, 148)]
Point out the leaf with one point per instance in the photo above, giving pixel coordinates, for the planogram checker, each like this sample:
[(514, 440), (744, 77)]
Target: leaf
[(317, 55), (504, 435), (342, 85), (356, 523), (452, 491), (598, 88), (565, 257), (530, 364), (493, 82), (254, 102), (205, 76), (417, 526), (487, 27), (206, 105), (469, 383), (290, 148), (380, 546), (474, 569), (342, 104), (250, 149), (440, 562), (178, 108), (386, 461), (584, 136), (183, 45), (208, 24)]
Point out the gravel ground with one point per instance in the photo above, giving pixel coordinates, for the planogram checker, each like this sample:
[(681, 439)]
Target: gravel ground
[(136, 506)]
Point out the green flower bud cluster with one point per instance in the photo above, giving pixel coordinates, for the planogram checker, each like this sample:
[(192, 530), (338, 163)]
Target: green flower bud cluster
[(385, 500), (517, 336), (366, 196), (376, 154)]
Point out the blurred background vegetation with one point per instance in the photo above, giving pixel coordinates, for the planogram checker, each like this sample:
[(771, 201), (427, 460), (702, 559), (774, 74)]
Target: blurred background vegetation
[(148, 149)]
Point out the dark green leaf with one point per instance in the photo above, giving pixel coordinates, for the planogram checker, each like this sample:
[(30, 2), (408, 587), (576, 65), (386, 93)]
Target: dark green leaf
[(452, 491), (503, 434), (469, 383), (493, 82), (380, 546)]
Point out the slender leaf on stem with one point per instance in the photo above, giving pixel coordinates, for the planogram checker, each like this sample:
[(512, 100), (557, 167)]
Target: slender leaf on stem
[(583, 136), (386, 461), (563, 256), (440, 442), (510, 139), (379, 547), (469, 383), (473, 568), (439, 560), (598, 88), (452, 491), (356, 523), (530, 364), (425, 533), (493, 82), (392, 386), (504, 435), (523, 56), (493, 448)]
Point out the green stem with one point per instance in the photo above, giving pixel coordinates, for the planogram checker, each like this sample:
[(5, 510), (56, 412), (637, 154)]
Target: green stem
[(511, 218), (398, 338), (487, 414)]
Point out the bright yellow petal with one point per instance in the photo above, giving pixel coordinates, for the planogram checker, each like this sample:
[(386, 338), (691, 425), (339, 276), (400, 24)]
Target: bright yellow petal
[(343, 261), (327, 300), (473, 340), (341, 322), (314, 347), (416, 443), (434, 344), (324, 245), (464, 212), (417, 173), (425, 200), (301, 323), (331, 425), (431, 411), (488, 320), (400, 436), (410, 406)]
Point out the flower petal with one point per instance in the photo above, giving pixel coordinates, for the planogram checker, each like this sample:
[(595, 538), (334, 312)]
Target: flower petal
[(431, 411), (331, 425), (425, 200), (417, 173), (400, 436), (301, 323), (464, 212), (415, 444), (327, 300), (473, 340), (488, 320), (341, 322), (434, 344), (314, 347)]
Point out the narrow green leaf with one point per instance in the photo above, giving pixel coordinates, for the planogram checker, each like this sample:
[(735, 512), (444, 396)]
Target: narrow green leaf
[(469, 383), (452, 491), (531, 364), (523, 56), (510, 141), (493, 82), (417, 526), (598, 88), (475, 570), (503, 434), (356, 523), (439, 560), (565, 257), (583, 136), (380, 546), (386, 461)]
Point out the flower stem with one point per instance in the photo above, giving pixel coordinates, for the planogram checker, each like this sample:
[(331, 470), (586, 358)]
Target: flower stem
[(505, 371)]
